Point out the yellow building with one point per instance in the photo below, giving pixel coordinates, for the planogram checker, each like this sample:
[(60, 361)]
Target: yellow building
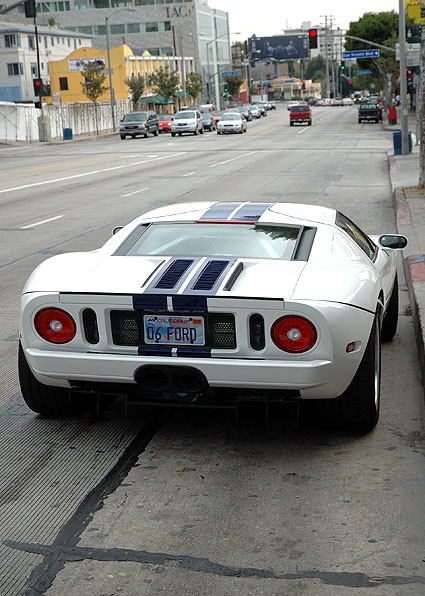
[(66, 75)]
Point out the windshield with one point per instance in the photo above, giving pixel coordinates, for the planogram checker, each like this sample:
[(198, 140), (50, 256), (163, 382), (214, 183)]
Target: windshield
[(231, 117), (184, 115), (136, 117), (218, 240)]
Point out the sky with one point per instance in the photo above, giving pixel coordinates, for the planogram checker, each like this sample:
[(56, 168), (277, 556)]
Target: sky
[(269, 17)]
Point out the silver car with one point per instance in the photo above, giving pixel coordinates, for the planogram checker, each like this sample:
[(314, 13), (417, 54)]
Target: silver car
[(187, 121), (231, 122)]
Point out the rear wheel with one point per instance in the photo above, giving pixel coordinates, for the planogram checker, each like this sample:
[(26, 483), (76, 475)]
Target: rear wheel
[(123, 137), (358, 407), (389, 324), (173, 134), (196, 131), (155, 132)]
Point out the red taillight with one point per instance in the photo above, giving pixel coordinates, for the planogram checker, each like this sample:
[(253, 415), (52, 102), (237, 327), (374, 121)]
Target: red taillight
[(293, 334), (55, 325)]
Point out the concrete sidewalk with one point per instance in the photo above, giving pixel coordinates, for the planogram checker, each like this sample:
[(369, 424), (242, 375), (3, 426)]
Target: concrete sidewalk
[(409, 206)]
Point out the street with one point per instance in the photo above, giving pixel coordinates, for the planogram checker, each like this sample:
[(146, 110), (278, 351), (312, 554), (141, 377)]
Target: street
[(147, 501)]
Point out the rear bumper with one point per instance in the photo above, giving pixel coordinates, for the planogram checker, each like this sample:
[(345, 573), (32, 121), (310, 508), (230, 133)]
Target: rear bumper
[(53, 368)]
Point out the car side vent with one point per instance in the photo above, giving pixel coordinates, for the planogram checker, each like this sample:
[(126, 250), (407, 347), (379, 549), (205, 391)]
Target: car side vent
[(91, 331), (256, 332), (210, 275), (173, 274)]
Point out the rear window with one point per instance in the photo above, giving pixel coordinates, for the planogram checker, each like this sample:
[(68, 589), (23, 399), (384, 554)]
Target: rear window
[(300, 109), (368, 106), (218, 240)]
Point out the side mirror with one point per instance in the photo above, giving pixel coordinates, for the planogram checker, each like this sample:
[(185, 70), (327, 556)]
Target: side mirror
[(116, 229), (393, 241)]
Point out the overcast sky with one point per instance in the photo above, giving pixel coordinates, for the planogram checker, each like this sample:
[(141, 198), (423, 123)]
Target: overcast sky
[(269, 17)]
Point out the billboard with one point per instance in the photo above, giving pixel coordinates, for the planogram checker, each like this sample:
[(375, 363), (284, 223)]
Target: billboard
[(279, 47), (77, 64)]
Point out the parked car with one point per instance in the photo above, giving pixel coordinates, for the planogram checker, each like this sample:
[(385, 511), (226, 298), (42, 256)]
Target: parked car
[(164, 122), (300, 114), (208, 121), (370, 112), (139, 123), (262, 108), (347, 101), (231, 122), (187, 121), (255, 111), (215, 303)]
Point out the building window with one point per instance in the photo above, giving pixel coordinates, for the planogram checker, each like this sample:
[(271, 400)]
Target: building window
[(69, 43), (151, 27), (31, 42), (15, 69), (12, 41), (63, 83), (117, 29), (34, 70), (52, 41), (46, 43), (133, 28)]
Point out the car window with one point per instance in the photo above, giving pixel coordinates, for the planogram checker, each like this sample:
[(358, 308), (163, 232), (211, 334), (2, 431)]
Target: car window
[(355, 233), (135, 117), (231, 117), (164, 118), (184, 115), (230, 240), (299, 109)]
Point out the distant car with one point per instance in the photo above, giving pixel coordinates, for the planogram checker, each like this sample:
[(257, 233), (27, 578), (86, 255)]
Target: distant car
[(291, 103), (369, 112), (262, 108), (300, 114), (139, 124), (255, 111), (216, 115), (215, 304), (231, 122), (244, 110), (208, 121), (187, 121), (313, 101), (164, 122), (347, 101)]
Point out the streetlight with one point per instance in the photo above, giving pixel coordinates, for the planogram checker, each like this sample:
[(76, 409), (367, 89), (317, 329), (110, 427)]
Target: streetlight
[(208, 57), (108, 50)]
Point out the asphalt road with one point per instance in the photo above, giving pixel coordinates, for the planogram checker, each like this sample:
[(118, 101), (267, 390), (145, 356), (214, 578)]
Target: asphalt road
[(143, 502)]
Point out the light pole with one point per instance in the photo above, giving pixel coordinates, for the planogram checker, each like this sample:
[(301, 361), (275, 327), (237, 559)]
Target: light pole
[(215, 61), (108, 51)]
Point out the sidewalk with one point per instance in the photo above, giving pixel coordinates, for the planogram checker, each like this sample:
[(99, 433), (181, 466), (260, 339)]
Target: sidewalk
[(409, 207)]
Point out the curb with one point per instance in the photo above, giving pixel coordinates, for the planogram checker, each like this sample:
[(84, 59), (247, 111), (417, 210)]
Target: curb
[(414, 271)]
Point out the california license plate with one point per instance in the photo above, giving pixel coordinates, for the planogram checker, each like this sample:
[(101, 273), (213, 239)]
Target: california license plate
[(174, 330)]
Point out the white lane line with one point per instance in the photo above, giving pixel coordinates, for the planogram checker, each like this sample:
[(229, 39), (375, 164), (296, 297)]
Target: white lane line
[(136, 191), (39, 223), (188, 174), (136, 163), (300, 132), (232, 159)]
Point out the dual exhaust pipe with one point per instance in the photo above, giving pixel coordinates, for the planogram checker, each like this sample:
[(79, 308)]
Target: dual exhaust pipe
[(171, 379)]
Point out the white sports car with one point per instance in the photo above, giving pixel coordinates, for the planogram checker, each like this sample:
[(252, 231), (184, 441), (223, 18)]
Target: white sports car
[(215, 304)]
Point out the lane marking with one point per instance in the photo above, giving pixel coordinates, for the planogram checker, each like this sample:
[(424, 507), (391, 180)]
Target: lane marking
[(188, 174), (300, 132), (136, 163), (136, 191), (59, 165), (39, 223), (232, 159)]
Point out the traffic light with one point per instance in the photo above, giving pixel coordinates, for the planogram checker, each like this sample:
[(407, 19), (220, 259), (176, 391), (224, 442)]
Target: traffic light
[(342, 65), (226, 87), (30, 9), (312, 39), (303, 85), (38, 87)]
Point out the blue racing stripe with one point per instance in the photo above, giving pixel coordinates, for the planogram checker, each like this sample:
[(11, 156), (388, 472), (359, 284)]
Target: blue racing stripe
[(151, 303), (183, 303), (154, 350), (219, 211), (250, 212)]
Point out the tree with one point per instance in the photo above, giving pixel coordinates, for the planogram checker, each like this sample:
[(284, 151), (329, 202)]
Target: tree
[(194, 85), (233, 84), (92, 86), (136, 84), (316, 69), (164, 82)]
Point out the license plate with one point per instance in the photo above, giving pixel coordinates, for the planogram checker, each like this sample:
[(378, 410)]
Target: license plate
[(131, 127), (174, 330)]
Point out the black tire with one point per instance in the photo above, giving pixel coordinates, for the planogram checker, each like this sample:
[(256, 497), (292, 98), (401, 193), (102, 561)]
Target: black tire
[(358, 407), (360, 121), (291, 124), (309, 123), (196, 132), (389, 323), (146, 134), (173, 134), (55, 402), (123, 137), (202, 131), (155, 132)]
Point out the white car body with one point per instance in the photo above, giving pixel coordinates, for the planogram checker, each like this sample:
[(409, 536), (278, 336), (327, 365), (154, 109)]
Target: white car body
[(187, 121), (231, 122), (323, 277)]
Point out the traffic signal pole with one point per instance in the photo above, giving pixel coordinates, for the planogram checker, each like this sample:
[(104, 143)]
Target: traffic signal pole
[(403, 79)]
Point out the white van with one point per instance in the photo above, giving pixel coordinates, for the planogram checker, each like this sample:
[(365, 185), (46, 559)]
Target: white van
[(187, 121)]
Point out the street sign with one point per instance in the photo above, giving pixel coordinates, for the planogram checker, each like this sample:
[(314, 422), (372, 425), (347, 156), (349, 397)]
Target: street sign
[(229, 73), (364, 72), (361, 54)]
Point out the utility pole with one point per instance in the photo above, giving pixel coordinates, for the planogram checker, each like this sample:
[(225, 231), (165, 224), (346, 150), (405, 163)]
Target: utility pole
[(327, 82), (403, 79)]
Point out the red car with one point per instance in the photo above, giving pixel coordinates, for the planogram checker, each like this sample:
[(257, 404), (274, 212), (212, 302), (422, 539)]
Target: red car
[(164, 122)]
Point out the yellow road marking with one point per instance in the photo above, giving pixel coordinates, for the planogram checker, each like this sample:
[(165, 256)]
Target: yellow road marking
[(59, 165)]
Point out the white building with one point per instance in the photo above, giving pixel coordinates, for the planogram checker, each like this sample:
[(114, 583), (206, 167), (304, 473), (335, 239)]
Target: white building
[(19, 58)]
